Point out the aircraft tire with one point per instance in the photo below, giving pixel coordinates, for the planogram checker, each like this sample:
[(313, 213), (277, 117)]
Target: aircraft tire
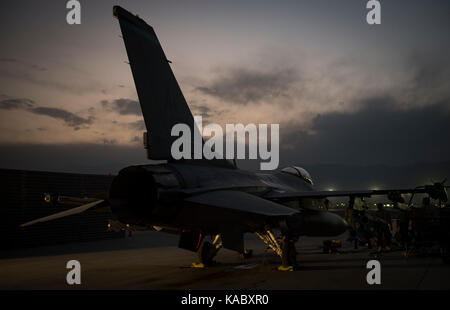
[(206, 253)]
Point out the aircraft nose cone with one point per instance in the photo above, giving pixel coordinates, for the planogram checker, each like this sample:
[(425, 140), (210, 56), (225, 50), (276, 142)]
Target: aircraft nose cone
[(322, 224), (343, 225), (337, 225)]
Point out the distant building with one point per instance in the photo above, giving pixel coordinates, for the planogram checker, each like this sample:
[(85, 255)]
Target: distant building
[(22, 200)]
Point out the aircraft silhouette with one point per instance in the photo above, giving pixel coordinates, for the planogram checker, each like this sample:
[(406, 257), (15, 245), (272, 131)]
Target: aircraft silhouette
[(198, 199)]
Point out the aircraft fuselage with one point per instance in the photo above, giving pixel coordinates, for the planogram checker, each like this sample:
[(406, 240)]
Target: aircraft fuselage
[(148, 195)]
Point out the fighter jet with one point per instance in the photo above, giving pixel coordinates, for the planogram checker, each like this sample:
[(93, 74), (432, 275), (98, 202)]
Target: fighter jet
[(210, 203)]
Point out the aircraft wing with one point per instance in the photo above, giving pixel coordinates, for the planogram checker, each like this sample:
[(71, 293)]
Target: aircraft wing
[(241, 202), (92, 205), (436, 191), (229, 200)]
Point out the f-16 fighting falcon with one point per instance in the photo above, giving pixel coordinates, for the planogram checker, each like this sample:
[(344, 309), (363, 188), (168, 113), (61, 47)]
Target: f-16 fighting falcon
[(210, 203)]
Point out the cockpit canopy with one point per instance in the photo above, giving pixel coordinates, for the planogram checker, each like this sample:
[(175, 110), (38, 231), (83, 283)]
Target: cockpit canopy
[(300, 172)]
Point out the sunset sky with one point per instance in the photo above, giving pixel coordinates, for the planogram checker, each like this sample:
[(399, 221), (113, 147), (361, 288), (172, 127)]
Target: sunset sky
[(342, 91)]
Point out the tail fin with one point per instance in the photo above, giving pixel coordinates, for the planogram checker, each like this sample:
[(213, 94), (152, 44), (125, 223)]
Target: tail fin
[(162, 102)]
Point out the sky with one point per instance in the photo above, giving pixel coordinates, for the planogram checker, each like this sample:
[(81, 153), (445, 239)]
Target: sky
[(343, 91)]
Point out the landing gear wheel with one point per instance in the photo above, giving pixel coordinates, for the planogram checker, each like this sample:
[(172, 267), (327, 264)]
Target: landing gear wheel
[(206, 253), (246, 254)]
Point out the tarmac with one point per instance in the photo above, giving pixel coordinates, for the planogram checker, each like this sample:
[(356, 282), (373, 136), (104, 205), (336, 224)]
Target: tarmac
[(152, 260)]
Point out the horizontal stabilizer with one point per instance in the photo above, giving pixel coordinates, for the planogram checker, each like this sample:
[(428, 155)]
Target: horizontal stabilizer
[(89, 206)]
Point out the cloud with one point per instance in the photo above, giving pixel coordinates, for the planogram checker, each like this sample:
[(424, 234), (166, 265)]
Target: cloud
[(244, 86), (109, 141), (137, 125), (202, 110), (123, 106), (381, 131), (71, 119), (136, 139), (16, 103), (429, 78), (428, 71), (23, 63), (75, 82)]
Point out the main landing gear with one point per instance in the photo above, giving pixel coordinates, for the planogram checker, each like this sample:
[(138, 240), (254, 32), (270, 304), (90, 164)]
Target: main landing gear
[(285, 249), (207, 251)]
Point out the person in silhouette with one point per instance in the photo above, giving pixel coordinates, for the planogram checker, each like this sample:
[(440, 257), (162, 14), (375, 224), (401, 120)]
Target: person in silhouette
[(384, 235)]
